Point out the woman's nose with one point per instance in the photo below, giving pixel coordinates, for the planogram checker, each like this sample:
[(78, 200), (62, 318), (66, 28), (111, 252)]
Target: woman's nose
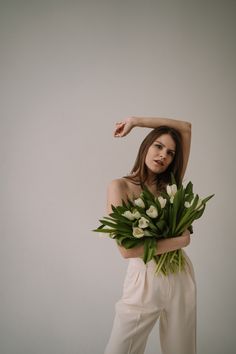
[(162, 155)]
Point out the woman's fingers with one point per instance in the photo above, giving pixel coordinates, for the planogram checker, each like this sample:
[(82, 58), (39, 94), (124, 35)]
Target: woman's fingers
[(186, 236), (123, 127), (119, 129)]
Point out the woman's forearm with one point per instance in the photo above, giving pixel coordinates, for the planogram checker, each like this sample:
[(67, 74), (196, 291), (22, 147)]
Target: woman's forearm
[(172, 244), (155, 122), (163, 246)]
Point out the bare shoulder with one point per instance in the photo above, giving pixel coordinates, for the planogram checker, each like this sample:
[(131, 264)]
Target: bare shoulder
[(116, 192), (125, 187), (118, 185)]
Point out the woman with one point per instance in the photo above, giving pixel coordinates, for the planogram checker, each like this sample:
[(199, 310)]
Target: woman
[(146, 296)]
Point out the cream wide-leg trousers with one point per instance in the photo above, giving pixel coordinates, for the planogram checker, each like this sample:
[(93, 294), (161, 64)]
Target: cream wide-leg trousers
[(148, 297)]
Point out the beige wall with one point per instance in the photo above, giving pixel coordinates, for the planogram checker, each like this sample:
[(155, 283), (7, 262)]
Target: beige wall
[(69, 71)]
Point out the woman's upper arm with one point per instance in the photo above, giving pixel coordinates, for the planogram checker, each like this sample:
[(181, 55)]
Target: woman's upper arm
[(186, 140), (115, 193)]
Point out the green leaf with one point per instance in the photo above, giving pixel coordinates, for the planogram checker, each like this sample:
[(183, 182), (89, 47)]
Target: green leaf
[(120, 210), (193, 206), (149, 249), (122, 219), (109, 218), (158, 206), (120, 239), (176, 206), (207, 198), (148, 195), (152, 226), (105, 230), (170, 216), (122, 228), (99, 228), (189, 189), (111, 224), (130, 243), (161, 226), (188, 214), (199, 213)]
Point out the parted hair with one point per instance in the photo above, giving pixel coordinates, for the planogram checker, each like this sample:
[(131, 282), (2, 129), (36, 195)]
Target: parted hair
[(139, 172)]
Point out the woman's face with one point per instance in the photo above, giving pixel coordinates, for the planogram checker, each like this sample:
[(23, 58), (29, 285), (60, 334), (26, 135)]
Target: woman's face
[(160, 154)]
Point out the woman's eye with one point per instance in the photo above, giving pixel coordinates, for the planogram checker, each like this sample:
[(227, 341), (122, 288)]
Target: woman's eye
[(171, 153), (159, 146)]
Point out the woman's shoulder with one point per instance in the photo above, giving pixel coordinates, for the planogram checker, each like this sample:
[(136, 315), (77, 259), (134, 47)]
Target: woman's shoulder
[(125, 187), (117, 191), (118, 183)]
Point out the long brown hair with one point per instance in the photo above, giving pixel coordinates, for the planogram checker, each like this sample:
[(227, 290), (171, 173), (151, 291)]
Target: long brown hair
[(139, 172)]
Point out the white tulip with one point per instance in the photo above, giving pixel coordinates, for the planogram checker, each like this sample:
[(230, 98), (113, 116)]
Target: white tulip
[(143, 223), (162, 202), (187, 204), (136, 214), (128, 215), (137, 232), (199, 204), (171, 190), (139, 202), (152, 212)]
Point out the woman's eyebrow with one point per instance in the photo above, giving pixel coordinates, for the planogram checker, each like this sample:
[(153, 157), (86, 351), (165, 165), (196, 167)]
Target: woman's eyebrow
[(157, 141)]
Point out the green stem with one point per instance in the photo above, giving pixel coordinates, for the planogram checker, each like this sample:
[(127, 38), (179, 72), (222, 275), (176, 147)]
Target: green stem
[(161, 262), (173, 256)]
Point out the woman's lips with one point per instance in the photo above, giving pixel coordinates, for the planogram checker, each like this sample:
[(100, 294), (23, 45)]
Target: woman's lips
[(159, 162)]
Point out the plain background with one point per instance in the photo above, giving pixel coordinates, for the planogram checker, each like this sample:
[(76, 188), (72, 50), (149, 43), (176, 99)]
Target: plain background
[(69, 71)]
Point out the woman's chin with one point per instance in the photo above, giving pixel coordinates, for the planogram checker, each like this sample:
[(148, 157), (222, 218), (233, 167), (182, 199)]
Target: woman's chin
[(155, 170)]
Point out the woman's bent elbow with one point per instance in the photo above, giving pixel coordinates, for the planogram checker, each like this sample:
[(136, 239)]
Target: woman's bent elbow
[(124, 252), (131, 252)]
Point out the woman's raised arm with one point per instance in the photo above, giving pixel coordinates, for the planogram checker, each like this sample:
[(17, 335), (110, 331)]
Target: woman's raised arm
[(124, 127)]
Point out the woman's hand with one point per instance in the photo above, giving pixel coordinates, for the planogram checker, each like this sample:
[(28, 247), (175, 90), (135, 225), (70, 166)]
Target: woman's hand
[(186, 237), (173, 243), (124, 127)]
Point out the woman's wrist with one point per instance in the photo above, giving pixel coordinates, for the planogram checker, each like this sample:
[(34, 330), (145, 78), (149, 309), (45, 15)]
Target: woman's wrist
[(137, 121), (132, 121)]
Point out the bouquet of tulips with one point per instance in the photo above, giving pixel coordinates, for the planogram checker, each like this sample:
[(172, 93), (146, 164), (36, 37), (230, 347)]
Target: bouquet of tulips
[(149, 218)]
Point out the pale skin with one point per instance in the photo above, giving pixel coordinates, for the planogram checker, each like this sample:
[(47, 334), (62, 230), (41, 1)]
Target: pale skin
[(158, 158)]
